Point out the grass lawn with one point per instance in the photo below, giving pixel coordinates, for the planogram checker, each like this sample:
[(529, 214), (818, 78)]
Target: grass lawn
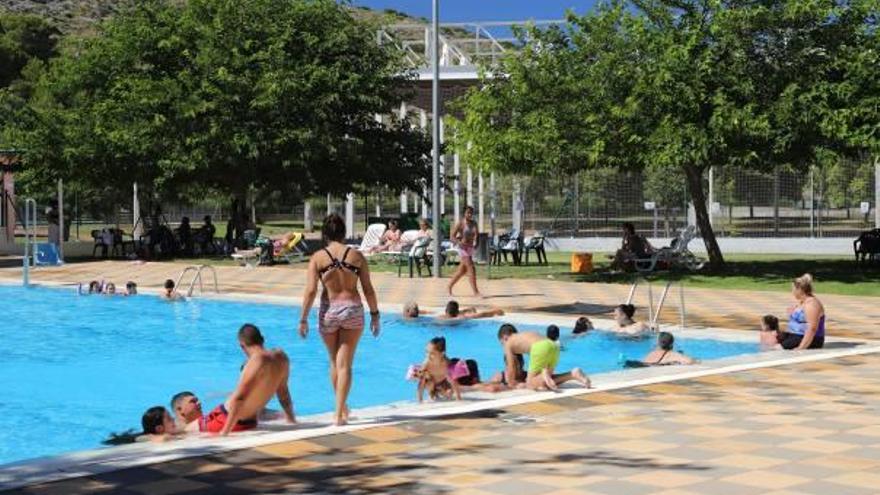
[(834, 274)]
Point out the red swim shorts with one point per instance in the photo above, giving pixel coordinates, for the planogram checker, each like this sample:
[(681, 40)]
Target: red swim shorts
[(216, 420)]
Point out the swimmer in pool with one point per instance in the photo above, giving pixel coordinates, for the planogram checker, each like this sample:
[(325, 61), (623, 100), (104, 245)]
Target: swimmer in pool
[(770, 335), (187, 411), (411, 311), (541, 357), (131, 288), (582, 326), (158, 425), (170, 294), (663, 353), (455, 313), (625, 324)]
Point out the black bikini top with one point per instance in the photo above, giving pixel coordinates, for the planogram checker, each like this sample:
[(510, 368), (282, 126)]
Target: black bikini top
[(338, 263)]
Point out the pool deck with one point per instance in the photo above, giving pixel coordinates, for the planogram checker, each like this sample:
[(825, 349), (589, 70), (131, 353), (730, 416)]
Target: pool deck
[(809, 427)]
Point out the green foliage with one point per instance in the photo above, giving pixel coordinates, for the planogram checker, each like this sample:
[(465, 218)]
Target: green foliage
[(682, 85), (223, 95), (24, 39)]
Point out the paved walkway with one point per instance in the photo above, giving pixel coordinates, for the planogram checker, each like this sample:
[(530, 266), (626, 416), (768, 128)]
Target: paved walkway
[(767, 432), (848, 316), (810, 428)]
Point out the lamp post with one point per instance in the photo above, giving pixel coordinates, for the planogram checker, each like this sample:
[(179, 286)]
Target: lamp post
[(435, 108)]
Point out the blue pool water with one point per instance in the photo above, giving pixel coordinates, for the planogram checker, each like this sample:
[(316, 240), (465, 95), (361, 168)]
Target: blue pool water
[(75, 368)]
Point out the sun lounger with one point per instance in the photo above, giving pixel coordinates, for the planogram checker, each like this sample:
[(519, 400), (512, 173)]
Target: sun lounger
[(674, 256)]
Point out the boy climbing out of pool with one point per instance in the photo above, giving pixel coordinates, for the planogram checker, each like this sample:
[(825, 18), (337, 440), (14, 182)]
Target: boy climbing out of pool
[(541, 357), (265, 374)]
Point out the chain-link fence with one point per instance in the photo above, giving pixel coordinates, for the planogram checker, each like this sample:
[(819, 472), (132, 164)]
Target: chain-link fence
[(831, 201)]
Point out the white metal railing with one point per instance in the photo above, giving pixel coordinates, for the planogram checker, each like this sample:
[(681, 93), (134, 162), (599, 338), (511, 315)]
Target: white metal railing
[(654, 312), (461, 43), (197, 277), (30, 239)]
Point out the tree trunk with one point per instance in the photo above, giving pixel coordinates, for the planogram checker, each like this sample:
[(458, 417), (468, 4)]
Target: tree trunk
[(698, 197)]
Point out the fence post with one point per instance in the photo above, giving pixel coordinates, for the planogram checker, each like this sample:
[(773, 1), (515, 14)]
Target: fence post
[(812, 205), (61, 220), (349, 215), (877, 192), (480, 201), (711, 195), (423, 123), (440, 121), (307, 216), (776, 199), (456, 185), (577, 203)]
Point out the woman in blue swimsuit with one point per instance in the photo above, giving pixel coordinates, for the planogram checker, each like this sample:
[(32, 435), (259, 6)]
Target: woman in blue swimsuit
[(806, 321)]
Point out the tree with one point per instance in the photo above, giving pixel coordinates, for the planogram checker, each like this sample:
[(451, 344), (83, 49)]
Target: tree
[(685, 84), (225, 95)]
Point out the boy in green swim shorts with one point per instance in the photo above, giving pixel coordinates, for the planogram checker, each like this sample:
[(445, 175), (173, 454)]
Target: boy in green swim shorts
[(543, 358)]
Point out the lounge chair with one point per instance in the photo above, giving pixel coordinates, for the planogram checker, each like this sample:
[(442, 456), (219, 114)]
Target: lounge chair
[(295, 248), (417, 255), (535, 243), (510, 243), (674, 256), (372, 237), (247, 257)]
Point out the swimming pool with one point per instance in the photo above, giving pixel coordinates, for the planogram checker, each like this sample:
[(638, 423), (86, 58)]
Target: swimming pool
[(78, 367)]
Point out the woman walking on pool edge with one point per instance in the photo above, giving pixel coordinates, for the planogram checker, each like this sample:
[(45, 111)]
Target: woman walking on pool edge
[(341, 314), (465, 234)]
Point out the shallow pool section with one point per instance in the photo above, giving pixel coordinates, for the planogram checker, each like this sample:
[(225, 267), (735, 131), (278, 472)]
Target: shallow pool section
[(76, 368)]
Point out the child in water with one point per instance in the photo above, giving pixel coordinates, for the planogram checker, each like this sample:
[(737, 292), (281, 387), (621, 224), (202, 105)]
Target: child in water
[(438, 375), (770, 332)]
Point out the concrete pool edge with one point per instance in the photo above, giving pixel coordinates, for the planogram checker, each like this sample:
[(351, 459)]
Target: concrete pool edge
[(92, 462), (99, 461)]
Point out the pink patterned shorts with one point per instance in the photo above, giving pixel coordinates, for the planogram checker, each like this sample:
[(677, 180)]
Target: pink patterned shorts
[(338, 315)]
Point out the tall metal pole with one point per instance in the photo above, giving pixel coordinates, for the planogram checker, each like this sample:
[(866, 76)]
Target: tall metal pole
[(435, 108)]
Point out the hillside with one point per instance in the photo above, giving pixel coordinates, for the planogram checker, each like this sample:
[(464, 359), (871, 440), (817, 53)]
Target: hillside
[(80, 15)]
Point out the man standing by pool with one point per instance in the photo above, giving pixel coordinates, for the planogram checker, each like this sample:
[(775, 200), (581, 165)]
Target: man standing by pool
[(515, 344), (264, 375)]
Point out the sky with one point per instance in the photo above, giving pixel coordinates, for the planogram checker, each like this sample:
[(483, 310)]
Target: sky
[(484, 10)]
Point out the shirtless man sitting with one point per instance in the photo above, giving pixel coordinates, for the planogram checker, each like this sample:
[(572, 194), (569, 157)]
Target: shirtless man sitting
[(515, 344), (264, 375)]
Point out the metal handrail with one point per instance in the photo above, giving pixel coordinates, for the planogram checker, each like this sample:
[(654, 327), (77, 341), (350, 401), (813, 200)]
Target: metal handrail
[(30, 237), (654, 313), (196, 278)]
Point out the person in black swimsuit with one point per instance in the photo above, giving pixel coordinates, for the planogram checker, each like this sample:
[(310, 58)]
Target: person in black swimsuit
[(341, 315)]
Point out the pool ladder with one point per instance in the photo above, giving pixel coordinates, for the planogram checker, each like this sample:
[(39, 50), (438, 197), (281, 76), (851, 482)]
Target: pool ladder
[(654, 313), (197, 277)]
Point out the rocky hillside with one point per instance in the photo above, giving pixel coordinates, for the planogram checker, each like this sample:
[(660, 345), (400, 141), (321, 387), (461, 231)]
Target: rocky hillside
[(68, 15), (79, 15)]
